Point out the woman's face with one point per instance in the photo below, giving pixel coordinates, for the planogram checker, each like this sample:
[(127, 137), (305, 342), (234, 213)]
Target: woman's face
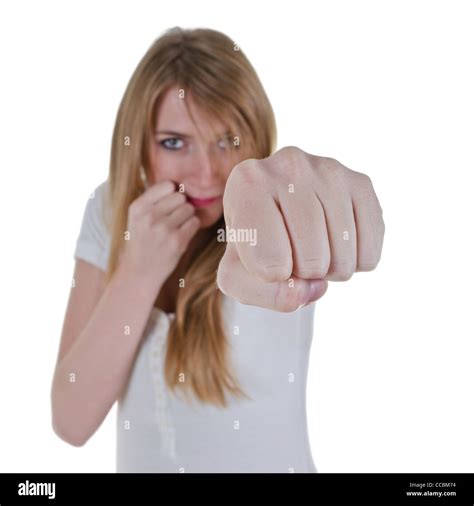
[(201, 165)]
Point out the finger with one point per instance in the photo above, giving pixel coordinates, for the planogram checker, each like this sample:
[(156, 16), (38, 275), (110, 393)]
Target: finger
[(168, 204), (286, 296), (250, 210), (341, 233), (370, 225), (180, 214), (156, 192), (189, 228), (306, 224)]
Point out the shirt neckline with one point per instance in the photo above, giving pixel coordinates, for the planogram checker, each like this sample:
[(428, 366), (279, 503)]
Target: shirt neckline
[(158, 312)]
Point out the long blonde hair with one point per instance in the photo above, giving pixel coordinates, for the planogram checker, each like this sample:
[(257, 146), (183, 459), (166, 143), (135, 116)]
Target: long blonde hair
[(223, 82)]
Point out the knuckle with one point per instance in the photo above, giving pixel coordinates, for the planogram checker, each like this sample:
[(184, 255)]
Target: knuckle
[(312, 268), (341, 271), (365, 179), (275, 272), (331, 174), (292, 163), (366, 186), (247, 172), (292, 151), (363, 188), (327, 163), (163, 227), (356, 178), (333, 171)]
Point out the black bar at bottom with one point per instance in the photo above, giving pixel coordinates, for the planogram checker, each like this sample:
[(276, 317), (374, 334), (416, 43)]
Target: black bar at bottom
[(240, 489)]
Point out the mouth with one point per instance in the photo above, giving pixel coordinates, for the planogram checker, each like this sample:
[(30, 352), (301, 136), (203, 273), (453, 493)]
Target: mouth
[(201, 202)]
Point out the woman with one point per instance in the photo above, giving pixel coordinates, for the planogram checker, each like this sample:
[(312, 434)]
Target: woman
[(203, 382)]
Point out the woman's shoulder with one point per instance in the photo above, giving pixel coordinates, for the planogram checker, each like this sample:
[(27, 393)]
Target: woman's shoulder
[(93, 241)]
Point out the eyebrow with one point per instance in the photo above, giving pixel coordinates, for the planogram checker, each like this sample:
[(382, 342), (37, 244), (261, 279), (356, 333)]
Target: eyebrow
[(171, 132), (179, 134)]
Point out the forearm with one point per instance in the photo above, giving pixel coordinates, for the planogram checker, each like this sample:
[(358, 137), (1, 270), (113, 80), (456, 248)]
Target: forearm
[(92, 375)]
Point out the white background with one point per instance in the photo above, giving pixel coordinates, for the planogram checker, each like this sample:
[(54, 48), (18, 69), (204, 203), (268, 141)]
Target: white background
[(384, 87)]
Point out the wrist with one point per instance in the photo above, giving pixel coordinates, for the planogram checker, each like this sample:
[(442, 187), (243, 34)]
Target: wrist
[(138, 281)]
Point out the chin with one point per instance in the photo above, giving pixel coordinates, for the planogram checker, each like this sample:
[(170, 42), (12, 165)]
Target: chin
[(207, 218)]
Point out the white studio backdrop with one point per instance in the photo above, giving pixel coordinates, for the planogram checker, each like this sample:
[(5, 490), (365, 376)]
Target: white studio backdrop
[(384, 87)]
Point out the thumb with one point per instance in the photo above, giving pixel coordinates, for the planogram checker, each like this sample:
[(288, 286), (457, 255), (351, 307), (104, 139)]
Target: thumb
[(286, 296)]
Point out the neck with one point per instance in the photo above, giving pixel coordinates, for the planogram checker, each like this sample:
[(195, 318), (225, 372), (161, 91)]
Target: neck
[(195, 245)]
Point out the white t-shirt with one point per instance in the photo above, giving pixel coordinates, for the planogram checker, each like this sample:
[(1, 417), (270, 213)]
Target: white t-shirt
[(159, 432)]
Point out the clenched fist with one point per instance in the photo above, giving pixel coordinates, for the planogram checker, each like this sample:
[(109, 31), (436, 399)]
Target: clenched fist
[(295, 221)]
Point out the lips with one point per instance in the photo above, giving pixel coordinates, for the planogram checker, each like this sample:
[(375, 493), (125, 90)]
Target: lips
[(202, 202)]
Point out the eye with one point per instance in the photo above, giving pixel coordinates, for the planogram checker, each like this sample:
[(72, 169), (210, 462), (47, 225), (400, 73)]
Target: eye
[(172, 145), (225, 142)]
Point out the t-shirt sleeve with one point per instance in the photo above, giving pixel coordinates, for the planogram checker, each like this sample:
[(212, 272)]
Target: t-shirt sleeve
[(93, 242)]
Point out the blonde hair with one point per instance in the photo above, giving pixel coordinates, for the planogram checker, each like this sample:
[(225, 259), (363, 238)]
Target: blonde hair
[(221, 80)]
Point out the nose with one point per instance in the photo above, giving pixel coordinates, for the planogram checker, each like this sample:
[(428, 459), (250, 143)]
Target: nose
[(206, 163)]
